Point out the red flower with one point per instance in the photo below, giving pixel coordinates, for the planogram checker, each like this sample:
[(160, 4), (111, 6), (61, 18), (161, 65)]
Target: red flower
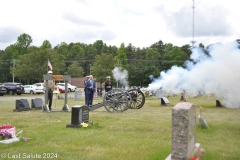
[(194, 157)]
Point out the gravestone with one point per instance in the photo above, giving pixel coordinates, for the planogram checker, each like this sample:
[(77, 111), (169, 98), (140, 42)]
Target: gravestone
[(21, 105), (80, 114), (218, 103), (164, 101), (36, 103), (184, 144), (78, 95)]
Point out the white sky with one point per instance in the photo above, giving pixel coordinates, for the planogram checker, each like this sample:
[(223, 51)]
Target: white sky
[(139, 22)]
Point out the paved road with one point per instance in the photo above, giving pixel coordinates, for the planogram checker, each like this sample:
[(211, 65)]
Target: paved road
[(28, 96)]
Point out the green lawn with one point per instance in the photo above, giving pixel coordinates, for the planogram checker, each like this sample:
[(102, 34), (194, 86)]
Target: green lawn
[(143, 134)]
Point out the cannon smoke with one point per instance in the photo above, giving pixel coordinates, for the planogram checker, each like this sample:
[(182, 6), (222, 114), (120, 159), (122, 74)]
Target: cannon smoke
[(216, 74), (121, 76)]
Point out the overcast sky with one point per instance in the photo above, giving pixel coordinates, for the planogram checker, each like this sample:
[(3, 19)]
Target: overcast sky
[(139, 22)]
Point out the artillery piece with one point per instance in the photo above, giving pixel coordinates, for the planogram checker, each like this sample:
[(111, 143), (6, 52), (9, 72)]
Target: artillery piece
[(118, 100)]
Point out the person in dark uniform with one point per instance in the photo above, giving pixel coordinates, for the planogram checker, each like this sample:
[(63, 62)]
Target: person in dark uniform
[(85, 84), (107, 84)]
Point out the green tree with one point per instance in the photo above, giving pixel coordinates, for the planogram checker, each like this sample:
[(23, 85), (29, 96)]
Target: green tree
[(7, 60), (173, 56), (98, 45), (76, 53), (46, 45), (23, 42), (63, 49), (121, 57), (75, 70), (152, 64), (103, 66), (32, 66)]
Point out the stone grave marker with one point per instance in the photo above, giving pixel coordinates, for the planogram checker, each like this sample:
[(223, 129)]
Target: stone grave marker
[(80, 114), (184, 144), (37, 103), (164, 101), (78, 95), (218, 103), (22, 105)]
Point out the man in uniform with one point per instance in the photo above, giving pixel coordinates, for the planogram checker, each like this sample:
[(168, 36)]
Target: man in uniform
[(51, 85), (107, 84)]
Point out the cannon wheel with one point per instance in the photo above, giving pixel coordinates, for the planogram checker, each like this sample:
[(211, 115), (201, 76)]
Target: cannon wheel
[(138, 98), (116, 100)]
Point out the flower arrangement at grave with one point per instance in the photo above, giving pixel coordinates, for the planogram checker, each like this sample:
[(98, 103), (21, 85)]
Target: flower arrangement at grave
[(84, 125), (8, 134)]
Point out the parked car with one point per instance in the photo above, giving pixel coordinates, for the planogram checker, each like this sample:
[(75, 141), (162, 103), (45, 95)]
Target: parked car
[(13, 88), (61, 88), (31, 89), (70, 87), (40, 88), (3, 90)]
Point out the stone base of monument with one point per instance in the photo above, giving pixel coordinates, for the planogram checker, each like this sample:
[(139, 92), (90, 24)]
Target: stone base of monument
[(194, 152)]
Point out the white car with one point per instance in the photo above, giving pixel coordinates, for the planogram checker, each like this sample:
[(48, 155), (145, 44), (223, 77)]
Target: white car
[(39, 87), (30, 89), (70, 87)]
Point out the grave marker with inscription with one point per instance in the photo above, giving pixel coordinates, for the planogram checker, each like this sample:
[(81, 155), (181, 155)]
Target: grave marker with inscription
[(22, 105), (183, 143), (80, 114)]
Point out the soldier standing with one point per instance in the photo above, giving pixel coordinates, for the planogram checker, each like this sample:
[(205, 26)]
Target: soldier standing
[(51, 85), (107, 84)]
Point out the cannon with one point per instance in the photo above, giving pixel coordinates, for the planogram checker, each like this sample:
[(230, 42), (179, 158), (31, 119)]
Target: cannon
[(118, 100)]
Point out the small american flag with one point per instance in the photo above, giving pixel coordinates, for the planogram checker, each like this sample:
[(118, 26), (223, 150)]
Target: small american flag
[(49, 64)]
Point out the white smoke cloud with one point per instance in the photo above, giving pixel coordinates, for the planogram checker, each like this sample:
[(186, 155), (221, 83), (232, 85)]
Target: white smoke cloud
[(218, 74), (120, 76)]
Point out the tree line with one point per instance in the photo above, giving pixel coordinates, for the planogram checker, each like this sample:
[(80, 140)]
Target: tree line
[(26, 63)]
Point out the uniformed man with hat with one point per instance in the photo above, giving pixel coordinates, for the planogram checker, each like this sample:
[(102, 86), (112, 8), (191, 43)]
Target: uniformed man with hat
[(51, 86), (108, 84)]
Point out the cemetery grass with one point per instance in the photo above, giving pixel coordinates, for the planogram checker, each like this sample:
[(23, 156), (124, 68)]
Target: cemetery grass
[(134, 134)]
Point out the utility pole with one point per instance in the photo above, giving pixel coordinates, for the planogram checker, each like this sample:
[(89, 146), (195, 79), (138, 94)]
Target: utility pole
[(14, 61), (90, 69), (193, 42)]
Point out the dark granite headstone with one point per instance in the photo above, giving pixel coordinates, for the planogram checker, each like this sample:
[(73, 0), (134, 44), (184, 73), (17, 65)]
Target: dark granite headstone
[(37, 103), (218, 103), (21, 105), (80, 114), (164, 101)]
